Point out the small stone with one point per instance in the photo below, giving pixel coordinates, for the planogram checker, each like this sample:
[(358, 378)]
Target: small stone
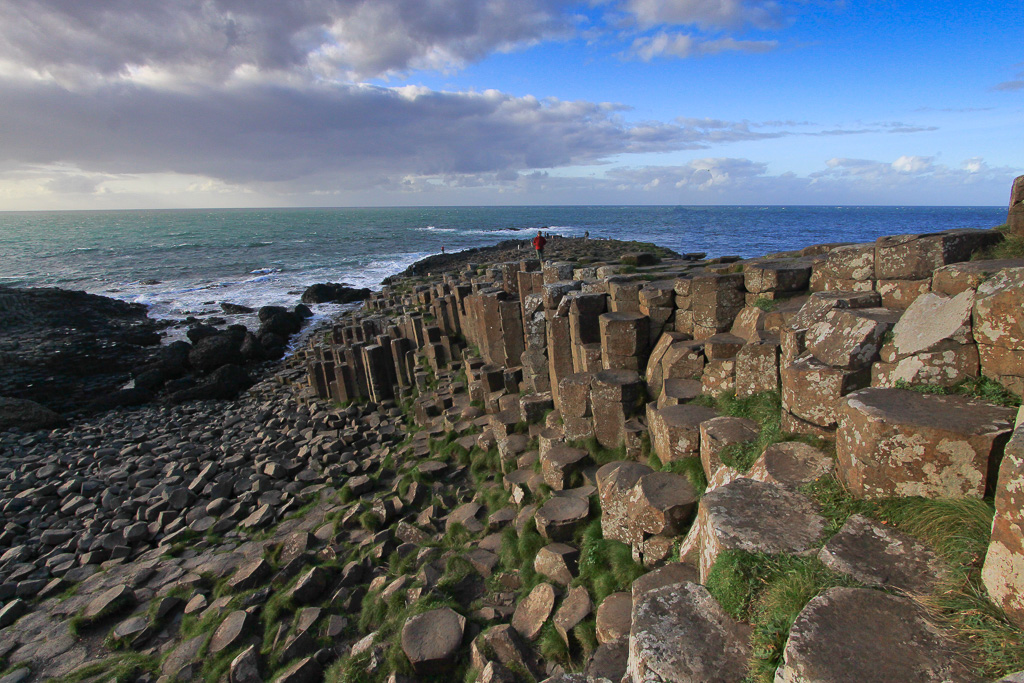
[(574, 608), (614, 616), (534, 610), (558, 562), (251, 575), (112, 600), (431, 639), (245, 668), (232, 631)]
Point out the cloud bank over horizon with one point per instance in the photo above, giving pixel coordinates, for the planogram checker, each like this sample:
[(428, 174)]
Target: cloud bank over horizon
[(115, 103)]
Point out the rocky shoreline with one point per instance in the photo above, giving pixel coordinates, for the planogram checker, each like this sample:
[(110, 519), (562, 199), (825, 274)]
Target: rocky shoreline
[(502, 472)]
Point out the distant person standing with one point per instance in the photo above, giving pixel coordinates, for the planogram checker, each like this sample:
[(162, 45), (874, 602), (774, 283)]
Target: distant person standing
[(586, 234), (538, 243)]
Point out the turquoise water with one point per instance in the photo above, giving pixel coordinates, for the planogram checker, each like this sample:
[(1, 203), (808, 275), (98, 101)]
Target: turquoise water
[(186, 262)]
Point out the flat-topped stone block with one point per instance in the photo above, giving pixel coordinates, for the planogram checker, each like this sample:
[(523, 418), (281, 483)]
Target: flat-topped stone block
[(811, 389), (850, 338), (431, 639), (614, 616), (756, 517), (791, 464), (859, 634), (719, 433), (661, 504), (675, 391), (560, 516), (675, 430), (878, 555), (680, 633), (559, 463), (615, 482), (894, 442)]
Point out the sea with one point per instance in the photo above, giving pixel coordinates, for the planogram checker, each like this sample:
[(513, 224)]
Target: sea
[(183, 263)]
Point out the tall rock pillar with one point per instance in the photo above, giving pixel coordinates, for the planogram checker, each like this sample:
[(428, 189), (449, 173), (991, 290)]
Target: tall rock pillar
[(1015, 219)]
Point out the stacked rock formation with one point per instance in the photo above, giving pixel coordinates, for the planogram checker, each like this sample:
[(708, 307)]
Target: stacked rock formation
[(471, 452), (838, 330)]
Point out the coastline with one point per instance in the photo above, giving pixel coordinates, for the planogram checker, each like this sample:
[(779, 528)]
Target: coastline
[(297, 512)]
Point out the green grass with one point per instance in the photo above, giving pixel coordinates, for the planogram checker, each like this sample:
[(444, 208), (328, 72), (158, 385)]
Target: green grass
[(370, 521), (766, 305), (517, 553), (122, 668), (973, 387), (601, 455), (768, 591), (691, 468), (1011, 247), (959, 532), (606, 566)]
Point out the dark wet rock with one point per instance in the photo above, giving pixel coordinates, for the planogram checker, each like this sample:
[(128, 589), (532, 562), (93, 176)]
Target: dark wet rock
[(216, 350), (59, 348), (333, 292), (223, 383), (27, 415), (234, 309)]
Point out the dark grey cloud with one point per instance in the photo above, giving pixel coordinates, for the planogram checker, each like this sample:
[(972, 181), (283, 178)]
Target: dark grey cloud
[(264, 133), (213, 38)]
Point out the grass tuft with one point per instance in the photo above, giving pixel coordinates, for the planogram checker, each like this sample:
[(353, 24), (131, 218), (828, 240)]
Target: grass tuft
[(973, 387)]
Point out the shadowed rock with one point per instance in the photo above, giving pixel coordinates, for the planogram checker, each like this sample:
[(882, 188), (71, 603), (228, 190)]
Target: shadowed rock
[(431, 639)]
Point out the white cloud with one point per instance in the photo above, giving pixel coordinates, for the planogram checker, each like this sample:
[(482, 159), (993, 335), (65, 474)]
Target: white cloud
[(685, 45), (709, 13)]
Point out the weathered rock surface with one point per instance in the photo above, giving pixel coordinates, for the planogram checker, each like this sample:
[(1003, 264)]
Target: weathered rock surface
[(1003, 571), (431, 639), (680, 634), (894, 442), (877, 555), (858, 634)]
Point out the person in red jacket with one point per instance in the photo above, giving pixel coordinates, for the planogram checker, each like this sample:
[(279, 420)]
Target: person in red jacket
[(538, 244)]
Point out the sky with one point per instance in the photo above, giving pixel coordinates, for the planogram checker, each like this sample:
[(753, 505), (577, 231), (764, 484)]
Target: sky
[(116, 104)]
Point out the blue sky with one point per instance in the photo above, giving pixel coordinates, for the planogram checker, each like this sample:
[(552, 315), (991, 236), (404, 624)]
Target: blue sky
[(122, 104)]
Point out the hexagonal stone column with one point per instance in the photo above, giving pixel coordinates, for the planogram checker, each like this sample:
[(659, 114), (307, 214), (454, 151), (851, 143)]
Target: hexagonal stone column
[(755, 517), (616, 395), (681, 634), (624, 341), (893, 442), (1002, 571), (675, 430), (859, 634)]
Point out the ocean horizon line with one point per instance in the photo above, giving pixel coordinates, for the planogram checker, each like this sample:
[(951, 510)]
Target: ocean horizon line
[(503, 206)]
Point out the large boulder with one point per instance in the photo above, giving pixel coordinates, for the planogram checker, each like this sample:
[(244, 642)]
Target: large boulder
[(333, 292), (431, 639), (894, 442), (681, 634), (226, 382), (1003, 572), (17, 413), (1015, 217), (859, 634), (215, 350)]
